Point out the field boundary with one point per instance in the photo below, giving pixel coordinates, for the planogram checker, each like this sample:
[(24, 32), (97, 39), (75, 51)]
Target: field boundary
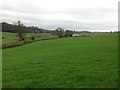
[(23, 43)]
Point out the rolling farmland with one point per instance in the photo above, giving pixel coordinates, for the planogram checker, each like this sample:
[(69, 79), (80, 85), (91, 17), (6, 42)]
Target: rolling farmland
[(74, 62)]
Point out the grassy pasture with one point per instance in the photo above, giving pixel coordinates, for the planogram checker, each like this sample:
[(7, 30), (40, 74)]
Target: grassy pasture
[(12, 38), (79, 62)]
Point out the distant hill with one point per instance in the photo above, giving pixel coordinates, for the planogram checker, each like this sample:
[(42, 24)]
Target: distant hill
[(6, 27)]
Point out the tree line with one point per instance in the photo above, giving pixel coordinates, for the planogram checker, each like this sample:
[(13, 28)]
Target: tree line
[(6, 27), (21, 29)]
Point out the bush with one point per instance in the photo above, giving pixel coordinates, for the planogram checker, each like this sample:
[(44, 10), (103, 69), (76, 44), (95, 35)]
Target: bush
[(60, 36), (33, 38), (3, 37), (65, 35), (68, 35), (23, 39)]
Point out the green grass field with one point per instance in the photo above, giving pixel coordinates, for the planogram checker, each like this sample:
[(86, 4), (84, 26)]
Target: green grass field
[(12, 38), (78, 62)]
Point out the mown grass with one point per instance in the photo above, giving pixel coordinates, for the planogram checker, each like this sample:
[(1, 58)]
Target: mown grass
[(81, 62)]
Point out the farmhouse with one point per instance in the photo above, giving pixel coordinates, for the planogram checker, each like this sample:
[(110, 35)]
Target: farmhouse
[(81, 33), (76, 35)]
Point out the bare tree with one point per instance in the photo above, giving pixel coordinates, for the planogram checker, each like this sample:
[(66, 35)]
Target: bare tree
[(60, 32), (19, 28)]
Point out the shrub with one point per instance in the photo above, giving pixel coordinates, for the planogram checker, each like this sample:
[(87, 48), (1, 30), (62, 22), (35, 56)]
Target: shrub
[(65, 35), (60, 36), (3, 37), (33, 38), (23, 39)]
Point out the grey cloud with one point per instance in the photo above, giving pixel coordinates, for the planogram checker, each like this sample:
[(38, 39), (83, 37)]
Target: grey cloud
[(31, 14)]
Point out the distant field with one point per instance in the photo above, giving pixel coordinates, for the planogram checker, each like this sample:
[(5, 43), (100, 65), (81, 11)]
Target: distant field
[(12, 38), (78, 62)]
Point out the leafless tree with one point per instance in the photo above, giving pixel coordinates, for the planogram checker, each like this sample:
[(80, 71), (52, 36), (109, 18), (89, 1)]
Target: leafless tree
[(60, 32), (19, 27)]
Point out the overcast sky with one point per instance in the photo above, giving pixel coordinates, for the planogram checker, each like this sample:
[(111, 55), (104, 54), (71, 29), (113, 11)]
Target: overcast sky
[(68, 14)]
